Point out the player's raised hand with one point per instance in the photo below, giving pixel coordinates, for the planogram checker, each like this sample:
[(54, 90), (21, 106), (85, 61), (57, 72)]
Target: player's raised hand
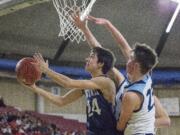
[(78, 22), (42, 64), (100, 21)]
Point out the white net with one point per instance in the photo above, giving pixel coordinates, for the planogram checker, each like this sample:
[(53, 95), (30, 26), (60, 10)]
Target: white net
[(65, 8)]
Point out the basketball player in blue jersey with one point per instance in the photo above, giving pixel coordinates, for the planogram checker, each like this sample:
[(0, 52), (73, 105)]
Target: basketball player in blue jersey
[(99, 91), (135, 92)]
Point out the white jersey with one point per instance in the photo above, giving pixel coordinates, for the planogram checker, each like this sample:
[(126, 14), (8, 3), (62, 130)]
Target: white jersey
[(119, 98), (142, 120)]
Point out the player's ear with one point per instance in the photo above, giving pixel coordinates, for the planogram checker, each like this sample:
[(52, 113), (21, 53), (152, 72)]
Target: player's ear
[(136, 65), (100, 65)]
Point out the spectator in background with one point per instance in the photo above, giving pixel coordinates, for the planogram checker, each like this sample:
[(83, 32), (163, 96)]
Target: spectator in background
[(2, 104)]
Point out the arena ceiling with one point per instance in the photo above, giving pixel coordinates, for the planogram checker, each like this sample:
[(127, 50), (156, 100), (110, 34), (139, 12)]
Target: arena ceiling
[(29, 26)]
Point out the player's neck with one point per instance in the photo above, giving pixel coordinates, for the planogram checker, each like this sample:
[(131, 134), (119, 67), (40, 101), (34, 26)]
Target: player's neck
[(136, 77), (97, 73)]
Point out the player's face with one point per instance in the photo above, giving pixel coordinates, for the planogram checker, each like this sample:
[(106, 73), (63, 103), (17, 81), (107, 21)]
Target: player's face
[(91, 62)]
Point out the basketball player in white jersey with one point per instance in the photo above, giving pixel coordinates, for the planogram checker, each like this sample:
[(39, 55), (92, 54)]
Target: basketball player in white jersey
[(137, 110), (135, 94)]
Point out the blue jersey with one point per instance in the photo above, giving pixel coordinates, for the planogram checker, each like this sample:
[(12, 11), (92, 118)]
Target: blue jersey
[(100, 114)]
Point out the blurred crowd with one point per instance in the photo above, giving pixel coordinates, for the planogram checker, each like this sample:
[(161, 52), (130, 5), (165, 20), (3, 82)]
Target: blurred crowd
[(14, 122)]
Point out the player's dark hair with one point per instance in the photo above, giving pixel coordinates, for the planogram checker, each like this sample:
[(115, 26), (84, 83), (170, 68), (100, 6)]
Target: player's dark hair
[(106, 57), (145, 56)]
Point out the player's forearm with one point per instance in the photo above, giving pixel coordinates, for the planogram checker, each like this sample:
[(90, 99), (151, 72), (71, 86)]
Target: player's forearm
[(53, 98), (121, 124), (162, 118), (59, 78), (119, 38), (92, 41), (123, 119), (128, 105), (162, 122)]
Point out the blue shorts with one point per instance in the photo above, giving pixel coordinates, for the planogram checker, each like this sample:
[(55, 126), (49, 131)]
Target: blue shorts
[(143, 134), (106, 132)]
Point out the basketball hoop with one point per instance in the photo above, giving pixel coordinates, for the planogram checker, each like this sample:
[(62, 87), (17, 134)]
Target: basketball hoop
[(65, 8)]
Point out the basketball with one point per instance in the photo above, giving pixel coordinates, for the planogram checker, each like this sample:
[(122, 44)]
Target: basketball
[(28, 72)]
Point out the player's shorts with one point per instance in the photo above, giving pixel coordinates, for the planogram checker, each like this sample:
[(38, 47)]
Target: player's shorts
[(144, 134), (106, 132)]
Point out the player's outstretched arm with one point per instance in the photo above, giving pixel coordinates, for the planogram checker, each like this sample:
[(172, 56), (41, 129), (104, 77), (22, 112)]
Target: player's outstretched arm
[(119, 38), (68, 98), (101, 83), (162, 118), (82, 25), (92, 41)]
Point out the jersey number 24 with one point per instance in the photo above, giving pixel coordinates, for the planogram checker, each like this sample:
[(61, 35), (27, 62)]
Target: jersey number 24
[(93, 107)]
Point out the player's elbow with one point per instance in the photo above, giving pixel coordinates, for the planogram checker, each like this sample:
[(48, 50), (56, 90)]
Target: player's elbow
[(60, 104), (163, 122), (120, 130), (168, 122), (120, 126), (59, 101)]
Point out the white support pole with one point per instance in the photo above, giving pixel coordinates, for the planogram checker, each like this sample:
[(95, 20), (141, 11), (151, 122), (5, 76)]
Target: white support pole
[(173, 17)]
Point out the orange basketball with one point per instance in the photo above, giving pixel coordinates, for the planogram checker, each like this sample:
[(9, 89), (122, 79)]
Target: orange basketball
[(28, 72)]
